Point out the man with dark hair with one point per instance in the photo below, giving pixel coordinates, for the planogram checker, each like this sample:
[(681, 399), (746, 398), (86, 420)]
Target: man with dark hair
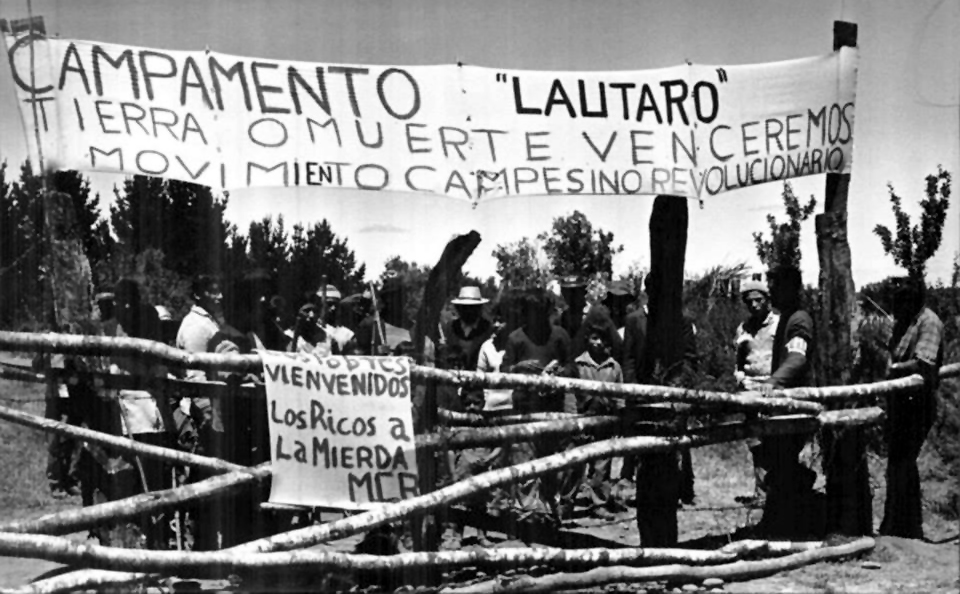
[(917, 348), (136, 318), (196, 333), (789, 482), (204, 319), (538, 347)]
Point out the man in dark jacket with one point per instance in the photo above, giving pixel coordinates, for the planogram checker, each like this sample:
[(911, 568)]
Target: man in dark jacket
[(789, 482), (470, 329)]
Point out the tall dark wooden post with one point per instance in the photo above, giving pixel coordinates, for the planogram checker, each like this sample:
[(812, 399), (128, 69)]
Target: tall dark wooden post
[(658, 476), (440, 284), (849, 509)]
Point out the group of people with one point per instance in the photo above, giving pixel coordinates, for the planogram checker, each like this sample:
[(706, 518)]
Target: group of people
[(577, 332), (248, 317), (606, 339), (569, 331), (774, 349)]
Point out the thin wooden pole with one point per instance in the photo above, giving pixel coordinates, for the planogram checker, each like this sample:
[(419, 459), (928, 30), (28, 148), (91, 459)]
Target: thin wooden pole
[(849, 501)]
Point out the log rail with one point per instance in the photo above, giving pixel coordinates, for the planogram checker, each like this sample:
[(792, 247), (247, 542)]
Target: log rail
[(805, 408)]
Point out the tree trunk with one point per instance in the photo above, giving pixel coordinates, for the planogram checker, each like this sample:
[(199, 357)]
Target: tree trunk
[(213, 564), (659, 473), (849, 501), (426, 531), (679, 574), (85, 518)]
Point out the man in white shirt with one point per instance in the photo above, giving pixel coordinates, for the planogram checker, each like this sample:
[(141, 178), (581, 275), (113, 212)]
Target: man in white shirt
[(198, 327), (754, 344)]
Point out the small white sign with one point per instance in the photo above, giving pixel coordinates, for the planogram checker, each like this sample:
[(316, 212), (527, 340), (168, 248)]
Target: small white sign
[(341, 430)]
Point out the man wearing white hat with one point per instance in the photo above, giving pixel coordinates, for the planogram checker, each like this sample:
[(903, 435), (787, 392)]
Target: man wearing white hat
[(336, 336), (470, 329)]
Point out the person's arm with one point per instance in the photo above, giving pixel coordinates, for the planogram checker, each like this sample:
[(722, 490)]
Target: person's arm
[(483, 359), (630, 338), (691, 357), (797, 345), (511, 355), (926, 354), (741, 347)]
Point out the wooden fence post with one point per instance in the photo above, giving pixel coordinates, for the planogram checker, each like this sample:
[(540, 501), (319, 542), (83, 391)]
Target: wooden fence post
[(440, 283), (849, 509), (658, 475)]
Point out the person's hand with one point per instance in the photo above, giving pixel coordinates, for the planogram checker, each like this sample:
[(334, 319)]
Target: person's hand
[(740, 377), (765, 389), (552, 368)]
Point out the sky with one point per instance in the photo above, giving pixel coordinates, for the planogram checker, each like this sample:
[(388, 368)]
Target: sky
[(907, 112)]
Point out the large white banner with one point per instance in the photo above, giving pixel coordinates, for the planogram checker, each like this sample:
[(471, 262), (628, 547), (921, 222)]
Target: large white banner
[(341, 430), (463, 131)]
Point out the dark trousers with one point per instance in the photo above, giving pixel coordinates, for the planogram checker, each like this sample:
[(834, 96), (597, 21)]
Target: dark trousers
[(543, 495), (909, 419), (789, 484), (592, 480), (63, 453), (687, 494)]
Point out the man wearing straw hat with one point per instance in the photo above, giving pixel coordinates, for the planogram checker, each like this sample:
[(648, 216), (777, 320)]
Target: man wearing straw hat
[(470, 329)]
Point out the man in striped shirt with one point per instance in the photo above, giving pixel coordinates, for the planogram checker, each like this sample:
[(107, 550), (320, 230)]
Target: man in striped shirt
[(918, 336)]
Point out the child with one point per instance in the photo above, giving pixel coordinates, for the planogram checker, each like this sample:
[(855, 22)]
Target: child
[(597, 364)]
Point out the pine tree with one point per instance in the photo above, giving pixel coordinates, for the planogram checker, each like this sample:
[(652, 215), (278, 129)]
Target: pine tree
[(23, 237), (184, 221)]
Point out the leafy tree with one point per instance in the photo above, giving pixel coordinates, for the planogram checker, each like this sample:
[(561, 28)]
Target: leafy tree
[(159, 285), (783, 247), (914, 245), (519, 264), (268, 246), (576, 248)]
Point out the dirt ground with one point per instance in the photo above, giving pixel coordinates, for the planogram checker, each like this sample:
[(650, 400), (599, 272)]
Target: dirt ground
[(895, 565)]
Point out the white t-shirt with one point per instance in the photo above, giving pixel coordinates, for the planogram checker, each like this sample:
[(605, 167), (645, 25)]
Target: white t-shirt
[(490, 360)]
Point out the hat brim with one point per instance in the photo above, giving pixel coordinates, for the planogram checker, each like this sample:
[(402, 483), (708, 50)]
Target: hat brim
[(480, 301)]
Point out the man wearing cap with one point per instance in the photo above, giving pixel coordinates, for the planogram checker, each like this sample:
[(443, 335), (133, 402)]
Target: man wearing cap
[(470, 329), (754, 337), (754, 348)]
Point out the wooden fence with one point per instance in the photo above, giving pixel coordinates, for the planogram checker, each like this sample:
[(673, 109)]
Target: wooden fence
[(800, 410)]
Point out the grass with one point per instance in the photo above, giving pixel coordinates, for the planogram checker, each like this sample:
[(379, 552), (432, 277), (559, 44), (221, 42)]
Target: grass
[(23, 451)]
